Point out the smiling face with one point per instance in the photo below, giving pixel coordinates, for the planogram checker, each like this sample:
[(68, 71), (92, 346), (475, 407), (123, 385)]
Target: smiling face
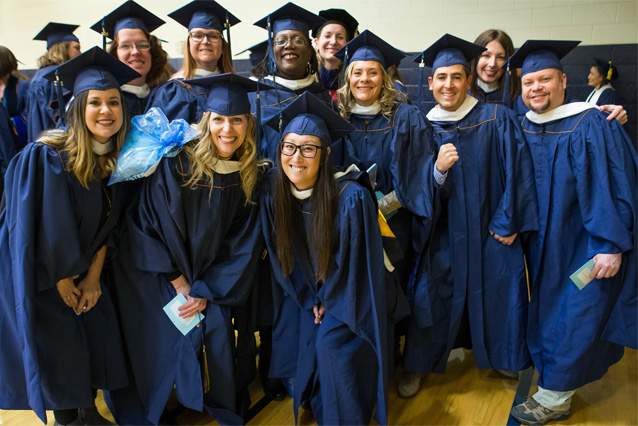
[(331, 39), (449, 85), (489, 66), (594, 79), (366, 81), (291, 57), (205, 53), (544, 90), (228, 133), (103, 114), (301, 171), (131, 55)]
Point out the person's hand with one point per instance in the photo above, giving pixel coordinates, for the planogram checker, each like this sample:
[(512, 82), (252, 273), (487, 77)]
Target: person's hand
[(68, 291), (606, 265), (193, 305), (615, 112), (508, 241), (447, 157), (91, 290), (181, 286), (319, 311)]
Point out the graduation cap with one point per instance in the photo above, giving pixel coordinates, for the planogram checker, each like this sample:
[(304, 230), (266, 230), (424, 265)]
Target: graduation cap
[(606, 69), (94, 69), (446, 51), (228, 92), (207, 14), (340, 17), (129, 15), (287, 17), (537, 55), (307, 115), (54, 33), (369, 47), (257, 52)]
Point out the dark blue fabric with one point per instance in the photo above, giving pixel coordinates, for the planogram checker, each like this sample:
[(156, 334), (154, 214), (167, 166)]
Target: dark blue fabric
[(52, 358), (214, 240), (585, 173), (275, 100), (179, 100), (134, 105), (343, 360), (15, 101), (608, 97), (42, 104), (490, 188), (8, 139)]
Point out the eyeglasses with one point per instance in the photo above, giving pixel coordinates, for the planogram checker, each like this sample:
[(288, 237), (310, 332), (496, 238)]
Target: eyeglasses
[(306, 150), (140, 45), (199, 37), (281, 41)]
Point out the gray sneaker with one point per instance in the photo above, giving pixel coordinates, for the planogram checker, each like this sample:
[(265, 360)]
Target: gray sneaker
[(532, 413), (409, 384)]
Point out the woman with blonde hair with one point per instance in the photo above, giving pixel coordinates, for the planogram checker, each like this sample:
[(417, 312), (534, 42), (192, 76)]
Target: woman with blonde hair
[(195, 235), (129, 27), (60, 333), (42, 110), (206, 53)]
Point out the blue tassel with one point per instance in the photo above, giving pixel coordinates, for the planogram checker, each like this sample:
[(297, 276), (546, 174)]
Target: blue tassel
[(259, 134), (506, 87), (58, 89), (227, 25), (104, 35), (419, 90), (272, 68)]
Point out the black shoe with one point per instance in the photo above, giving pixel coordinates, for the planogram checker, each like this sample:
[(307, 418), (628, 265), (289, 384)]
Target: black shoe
[(274, 389), (92, 417)]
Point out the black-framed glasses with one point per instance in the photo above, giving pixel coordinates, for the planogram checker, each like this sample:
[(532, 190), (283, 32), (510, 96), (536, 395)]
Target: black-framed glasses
[(198, 37), (140, 45), (306, 150), (282, 41)]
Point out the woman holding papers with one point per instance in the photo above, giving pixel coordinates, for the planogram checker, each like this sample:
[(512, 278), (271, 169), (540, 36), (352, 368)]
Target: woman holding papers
[(58, 326), (196, 235)]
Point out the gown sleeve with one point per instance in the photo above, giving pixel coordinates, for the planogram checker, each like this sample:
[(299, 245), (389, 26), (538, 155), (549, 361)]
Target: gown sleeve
[(517, 210), (602, 161)]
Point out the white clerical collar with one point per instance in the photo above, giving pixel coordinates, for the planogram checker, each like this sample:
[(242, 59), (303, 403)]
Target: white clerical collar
[(300, 194), (199, 72), (139, 91), (102, 148), (595, 94), (292, 84), (487, 87), (563, 111), (225, 167), (439, 114), (369, 110)]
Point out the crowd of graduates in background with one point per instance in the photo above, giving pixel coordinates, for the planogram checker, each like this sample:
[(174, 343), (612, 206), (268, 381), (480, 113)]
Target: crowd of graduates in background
[(315, 206)]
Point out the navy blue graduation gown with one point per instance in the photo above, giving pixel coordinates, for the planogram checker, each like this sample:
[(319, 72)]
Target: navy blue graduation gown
[(491, 97), (214, 240), (607, 97), (585, 174), (42, 104), (403, 149), (52, 358), (275, 100), (15, 101), (490, 187), (342, 361), (8, 139), (179, 100), (134, 104)]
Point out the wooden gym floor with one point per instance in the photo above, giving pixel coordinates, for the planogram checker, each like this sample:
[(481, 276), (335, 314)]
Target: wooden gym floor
[(464, 395)]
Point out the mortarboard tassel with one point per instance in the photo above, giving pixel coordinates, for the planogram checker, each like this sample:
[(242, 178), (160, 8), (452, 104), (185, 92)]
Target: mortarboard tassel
[(58, 89), (419, 89), (205, 376), (258, 111), (610, 72), (345, 64), (105, 34), (271, 58), (227, 25), (506, 87)]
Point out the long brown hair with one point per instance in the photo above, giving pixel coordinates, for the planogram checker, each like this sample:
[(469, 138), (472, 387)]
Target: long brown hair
[(56, 55), (289, 220), (504, 40), (9, 64), (76, 143), (224, 64), (159, 72), (203, 155)]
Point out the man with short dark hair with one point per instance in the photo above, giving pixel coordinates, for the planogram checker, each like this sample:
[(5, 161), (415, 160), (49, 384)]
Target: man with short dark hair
[(585, 173)]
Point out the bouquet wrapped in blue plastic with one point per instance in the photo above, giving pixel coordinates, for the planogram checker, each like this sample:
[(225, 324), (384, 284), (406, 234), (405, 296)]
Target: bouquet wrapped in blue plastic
[(152, 138)]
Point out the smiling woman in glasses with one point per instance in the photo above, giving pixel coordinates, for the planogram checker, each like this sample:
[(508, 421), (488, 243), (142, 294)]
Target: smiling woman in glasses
[(206, 53), (129, 26)]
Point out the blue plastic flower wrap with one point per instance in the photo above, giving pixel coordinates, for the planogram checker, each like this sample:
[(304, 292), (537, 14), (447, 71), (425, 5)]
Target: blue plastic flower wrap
[(152, 138)]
